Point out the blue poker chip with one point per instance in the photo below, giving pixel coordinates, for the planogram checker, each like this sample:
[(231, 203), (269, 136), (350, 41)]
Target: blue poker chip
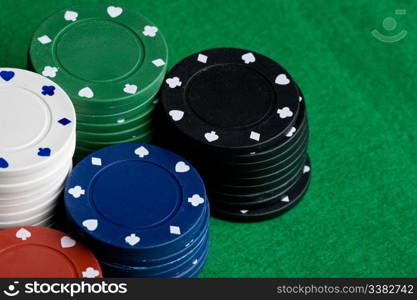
[(155, 265), (196, 269), (136, 200), (171, 270), (137, 260)]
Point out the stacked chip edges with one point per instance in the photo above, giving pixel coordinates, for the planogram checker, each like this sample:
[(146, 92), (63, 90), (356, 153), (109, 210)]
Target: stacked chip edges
[(241, 120), (142, 210), (112, 62), (38, 142)]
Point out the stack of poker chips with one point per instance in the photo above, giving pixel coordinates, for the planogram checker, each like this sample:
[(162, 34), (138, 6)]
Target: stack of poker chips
[(141, 209), (111, 62), (239, 117), (39, 252), (37, 130)]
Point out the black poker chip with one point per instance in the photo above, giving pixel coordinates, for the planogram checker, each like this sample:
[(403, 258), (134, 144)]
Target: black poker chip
[(230, 99), (267, 158), (280, 158), (262, 200), (224, 169), (258, 194), (286, 142), (232, 172), (244, 183), (277, 206), (241, 120), (281, 182)]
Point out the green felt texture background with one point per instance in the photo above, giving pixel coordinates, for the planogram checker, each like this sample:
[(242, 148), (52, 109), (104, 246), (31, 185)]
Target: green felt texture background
[(359, 217)]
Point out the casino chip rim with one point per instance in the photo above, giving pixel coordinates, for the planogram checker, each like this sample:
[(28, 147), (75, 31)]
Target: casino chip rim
[(105, 157), (61, 127), (286, 201), (81, 259), (44, 59), (83, 144), (176, 105)]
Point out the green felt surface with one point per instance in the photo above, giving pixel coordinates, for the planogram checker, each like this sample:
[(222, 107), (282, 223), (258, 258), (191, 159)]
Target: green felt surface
[(359, 217)]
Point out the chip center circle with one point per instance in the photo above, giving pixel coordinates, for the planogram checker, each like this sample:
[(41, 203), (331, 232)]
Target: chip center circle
[(230, 96), (98, 50), (24, 120), (36, 261), (135, 194)]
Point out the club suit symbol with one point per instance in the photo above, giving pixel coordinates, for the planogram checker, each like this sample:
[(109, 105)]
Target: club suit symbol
[(11, 290), (390, 24)]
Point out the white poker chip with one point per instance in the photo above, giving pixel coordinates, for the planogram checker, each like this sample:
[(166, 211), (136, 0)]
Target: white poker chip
[(48, 222), (37, 130), (59, 171), (16, 205), (37, 120), (24, 177), (12, 214), (33, 219), (27, 196), (23, 207)]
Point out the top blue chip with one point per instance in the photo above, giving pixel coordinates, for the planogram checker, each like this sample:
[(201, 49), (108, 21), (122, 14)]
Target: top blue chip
[(136, 197)]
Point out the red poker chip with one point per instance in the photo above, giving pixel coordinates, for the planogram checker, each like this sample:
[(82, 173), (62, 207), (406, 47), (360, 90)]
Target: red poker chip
[(39, 252)]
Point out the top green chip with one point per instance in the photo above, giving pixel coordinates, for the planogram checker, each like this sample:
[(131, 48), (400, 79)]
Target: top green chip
[(99, 53)]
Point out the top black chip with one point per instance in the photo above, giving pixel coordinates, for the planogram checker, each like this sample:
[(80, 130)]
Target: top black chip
[(230, 98)]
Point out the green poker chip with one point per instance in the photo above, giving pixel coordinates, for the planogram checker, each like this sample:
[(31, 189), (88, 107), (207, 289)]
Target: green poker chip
[(105, 57), (122, 124), (102, 111), (120, 135), (83, 151), (114, 117), (144, 138)]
